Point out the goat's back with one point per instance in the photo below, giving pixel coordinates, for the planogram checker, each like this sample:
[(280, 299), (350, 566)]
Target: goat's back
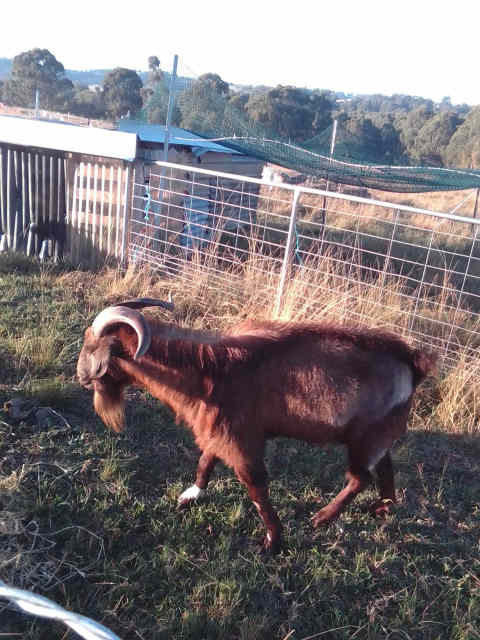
[(307, 375), (332, 337)]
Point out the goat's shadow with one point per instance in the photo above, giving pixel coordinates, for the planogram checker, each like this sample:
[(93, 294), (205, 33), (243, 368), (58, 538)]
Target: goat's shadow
[(436, 476)]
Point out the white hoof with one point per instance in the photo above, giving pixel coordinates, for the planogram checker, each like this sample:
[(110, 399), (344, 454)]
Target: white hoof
[(190, 494)]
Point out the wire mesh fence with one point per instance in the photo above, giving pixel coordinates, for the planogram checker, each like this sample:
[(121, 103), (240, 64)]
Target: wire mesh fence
[(313, 254)]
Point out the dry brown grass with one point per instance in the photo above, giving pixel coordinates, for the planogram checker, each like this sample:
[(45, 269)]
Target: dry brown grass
[(460, 202), (321, 290), (455, 399), (371, 218)]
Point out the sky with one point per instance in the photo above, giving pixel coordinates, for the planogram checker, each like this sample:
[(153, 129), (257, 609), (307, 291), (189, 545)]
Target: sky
[(427, 48)]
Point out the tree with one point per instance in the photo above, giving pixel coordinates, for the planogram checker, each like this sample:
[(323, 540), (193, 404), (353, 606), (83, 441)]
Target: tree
[(157, 107), (121, 92), (463, 149), (203, 104), (445, 104), (153, 63), (387, 104), (392, 149), (37, 70), (211, 83), (290, 113), (154, 79), (239, 101), (433, 138), (410, 125), (362, 139), (88, 103)]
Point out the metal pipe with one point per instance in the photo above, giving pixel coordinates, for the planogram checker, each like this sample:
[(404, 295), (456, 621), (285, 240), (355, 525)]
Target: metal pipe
[(125, 214), (336, 195), (287, 260)]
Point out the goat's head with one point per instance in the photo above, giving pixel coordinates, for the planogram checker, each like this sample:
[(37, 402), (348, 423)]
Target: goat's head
[(95, 368)]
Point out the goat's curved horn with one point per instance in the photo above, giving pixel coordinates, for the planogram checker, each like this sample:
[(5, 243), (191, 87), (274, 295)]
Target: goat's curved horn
[(123, 315), (139, 303)]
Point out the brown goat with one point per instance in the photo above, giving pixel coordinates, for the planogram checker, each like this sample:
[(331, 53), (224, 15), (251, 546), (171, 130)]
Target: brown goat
[(314, 382)]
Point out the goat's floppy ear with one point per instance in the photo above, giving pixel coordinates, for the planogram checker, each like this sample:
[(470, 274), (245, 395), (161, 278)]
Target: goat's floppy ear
[(100, 360)]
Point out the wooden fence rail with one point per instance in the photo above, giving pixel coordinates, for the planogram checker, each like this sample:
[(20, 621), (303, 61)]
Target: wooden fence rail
[(62, 205)]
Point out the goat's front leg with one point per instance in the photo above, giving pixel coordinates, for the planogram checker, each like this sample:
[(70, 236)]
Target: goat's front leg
[(204, 469), (254, 477)]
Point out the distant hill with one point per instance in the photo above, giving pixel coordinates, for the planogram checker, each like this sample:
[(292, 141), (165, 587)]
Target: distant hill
[(92, 76), (5, 67)]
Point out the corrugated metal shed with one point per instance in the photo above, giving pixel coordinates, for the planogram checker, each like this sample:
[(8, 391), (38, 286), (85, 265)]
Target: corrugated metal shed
[(156, 133), (66, 137)]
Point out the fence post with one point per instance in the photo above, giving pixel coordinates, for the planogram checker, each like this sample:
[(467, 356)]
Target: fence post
[(10, 182), (289, 251), (31, 177), (125, 214), (16, 200), (3, 191), (475, 213)]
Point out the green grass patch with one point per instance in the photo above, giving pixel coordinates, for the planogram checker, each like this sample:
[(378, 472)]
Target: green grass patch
[(89, 519)]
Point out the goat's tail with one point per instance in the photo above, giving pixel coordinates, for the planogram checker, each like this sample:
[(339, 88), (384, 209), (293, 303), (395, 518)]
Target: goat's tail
[(423, 363)]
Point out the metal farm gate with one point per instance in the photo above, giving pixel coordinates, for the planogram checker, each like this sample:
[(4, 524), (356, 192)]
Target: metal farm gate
[(305, 252), (312, 253)]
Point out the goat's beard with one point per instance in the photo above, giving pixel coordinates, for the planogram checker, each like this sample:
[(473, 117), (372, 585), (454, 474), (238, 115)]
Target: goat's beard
[(109, 404)]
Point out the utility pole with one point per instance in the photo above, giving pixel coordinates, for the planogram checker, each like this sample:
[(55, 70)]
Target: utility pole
[(171, 102), (168, 124)]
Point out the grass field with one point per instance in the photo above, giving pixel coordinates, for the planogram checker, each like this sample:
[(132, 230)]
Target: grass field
[(89, 519)]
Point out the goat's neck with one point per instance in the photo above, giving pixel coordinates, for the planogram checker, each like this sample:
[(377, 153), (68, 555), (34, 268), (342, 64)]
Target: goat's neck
[(184, 390)]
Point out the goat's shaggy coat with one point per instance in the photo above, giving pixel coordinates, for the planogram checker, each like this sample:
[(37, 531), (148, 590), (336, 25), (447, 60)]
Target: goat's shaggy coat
[(315, 382)]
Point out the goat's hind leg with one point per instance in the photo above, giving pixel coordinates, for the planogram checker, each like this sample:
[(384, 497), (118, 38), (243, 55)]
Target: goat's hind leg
[(366, 453), (358, 478), (205, 467), (386, 486), (393, 427)]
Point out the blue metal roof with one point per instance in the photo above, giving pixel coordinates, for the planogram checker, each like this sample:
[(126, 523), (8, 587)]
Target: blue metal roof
[(156, 133)]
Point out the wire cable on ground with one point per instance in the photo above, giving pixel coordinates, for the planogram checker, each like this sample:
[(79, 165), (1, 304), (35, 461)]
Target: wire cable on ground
[(45, 608)]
